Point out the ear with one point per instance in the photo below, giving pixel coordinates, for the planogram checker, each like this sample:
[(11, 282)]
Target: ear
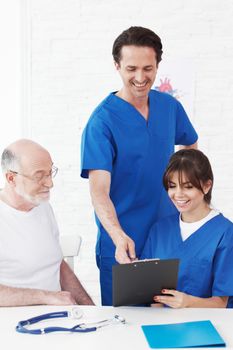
[(10, 178), (117, 66), (207, 186)]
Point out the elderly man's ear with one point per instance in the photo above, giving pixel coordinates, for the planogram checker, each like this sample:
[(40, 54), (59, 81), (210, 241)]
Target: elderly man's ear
[(10, 178)]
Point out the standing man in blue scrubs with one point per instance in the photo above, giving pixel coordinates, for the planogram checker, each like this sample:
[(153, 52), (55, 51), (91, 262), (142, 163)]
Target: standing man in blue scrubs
[(126, 146)]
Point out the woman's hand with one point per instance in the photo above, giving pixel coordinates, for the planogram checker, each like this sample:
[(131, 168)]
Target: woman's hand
[(175, 299)]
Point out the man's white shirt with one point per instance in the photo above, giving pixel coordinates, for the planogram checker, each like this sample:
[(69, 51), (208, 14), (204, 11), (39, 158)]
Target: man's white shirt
[(30, 254)]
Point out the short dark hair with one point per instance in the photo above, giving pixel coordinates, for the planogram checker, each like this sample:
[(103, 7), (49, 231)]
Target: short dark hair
[(137, 36), (194, 165)]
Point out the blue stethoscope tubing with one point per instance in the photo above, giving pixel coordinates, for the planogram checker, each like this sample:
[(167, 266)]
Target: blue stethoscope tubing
[(77, 328)]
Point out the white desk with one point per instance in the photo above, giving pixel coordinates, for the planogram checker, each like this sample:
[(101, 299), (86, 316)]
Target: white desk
[(115, 337)]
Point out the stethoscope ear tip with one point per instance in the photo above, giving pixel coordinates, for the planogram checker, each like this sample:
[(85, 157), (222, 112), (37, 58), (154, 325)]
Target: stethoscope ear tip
[(120, 319)]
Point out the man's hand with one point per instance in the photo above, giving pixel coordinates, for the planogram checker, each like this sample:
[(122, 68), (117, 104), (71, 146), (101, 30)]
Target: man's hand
[(11, 296), (59, 298), (176, 300), (125, 250)]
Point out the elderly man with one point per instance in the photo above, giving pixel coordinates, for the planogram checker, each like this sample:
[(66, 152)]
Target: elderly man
[(32, 269)]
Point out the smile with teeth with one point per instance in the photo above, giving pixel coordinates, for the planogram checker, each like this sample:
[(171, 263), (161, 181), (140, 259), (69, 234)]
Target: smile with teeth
[(182, 202), (139, 85)]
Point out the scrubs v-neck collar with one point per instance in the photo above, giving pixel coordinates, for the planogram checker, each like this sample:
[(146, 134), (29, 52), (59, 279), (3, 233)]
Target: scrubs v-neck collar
[(122, 106)]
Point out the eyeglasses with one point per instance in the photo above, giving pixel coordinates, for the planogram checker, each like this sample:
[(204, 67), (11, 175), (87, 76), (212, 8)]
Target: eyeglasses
[(40, 176)]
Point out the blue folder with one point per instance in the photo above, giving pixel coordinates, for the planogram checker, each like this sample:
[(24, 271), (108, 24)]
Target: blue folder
[(183, 335)]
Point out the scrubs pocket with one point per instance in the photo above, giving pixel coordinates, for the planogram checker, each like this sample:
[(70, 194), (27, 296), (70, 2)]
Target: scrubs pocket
[(198, 279)]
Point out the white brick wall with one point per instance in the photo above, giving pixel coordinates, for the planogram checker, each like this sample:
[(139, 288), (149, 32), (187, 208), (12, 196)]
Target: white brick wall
[(10, 73), (70, 70)]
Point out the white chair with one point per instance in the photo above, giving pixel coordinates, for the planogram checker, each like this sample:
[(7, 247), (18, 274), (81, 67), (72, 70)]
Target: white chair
[(70, 245)]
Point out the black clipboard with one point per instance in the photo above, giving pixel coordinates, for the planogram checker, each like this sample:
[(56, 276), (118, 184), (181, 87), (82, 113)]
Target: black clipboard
[(138, 282)]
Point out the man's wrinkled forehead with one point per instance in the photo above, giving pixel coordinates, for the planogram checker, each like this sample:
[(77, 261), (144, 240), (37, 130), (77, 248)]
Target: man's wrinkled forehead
[(39, 161)]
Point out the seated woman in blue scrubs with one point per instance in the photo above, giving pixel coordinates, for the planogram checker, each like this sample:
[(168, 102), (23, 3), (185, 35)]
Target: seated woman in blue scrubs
[(200, 236)]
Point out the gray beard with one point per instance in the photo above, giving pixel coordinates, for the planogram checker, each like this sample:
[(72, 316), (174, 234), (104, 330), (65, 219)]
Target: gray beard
[(30, 199)]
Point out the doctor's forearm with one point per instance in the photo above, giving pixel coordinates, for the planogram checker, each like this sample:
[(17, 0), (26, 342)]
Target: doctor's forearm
[(106, 213), (100, 194), (193, 146), (213, 302)]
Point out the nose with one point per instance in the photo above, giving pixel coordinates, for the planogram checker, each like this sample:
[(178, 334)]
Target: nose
[(139, 76), (178, 191), (48, 181)]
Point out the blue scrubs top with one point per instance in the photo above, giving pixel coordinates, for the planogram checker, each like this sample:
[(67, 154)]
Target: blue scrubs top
[(206, 257), (118, 139)]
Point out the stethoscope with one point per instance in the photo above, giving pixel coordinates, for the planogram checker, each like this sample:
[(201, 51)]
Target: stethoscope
[(74, 313)]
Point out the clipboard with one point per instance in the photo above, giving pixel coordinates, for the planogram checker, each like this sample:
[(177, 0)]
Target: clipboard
[(138, 282)]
